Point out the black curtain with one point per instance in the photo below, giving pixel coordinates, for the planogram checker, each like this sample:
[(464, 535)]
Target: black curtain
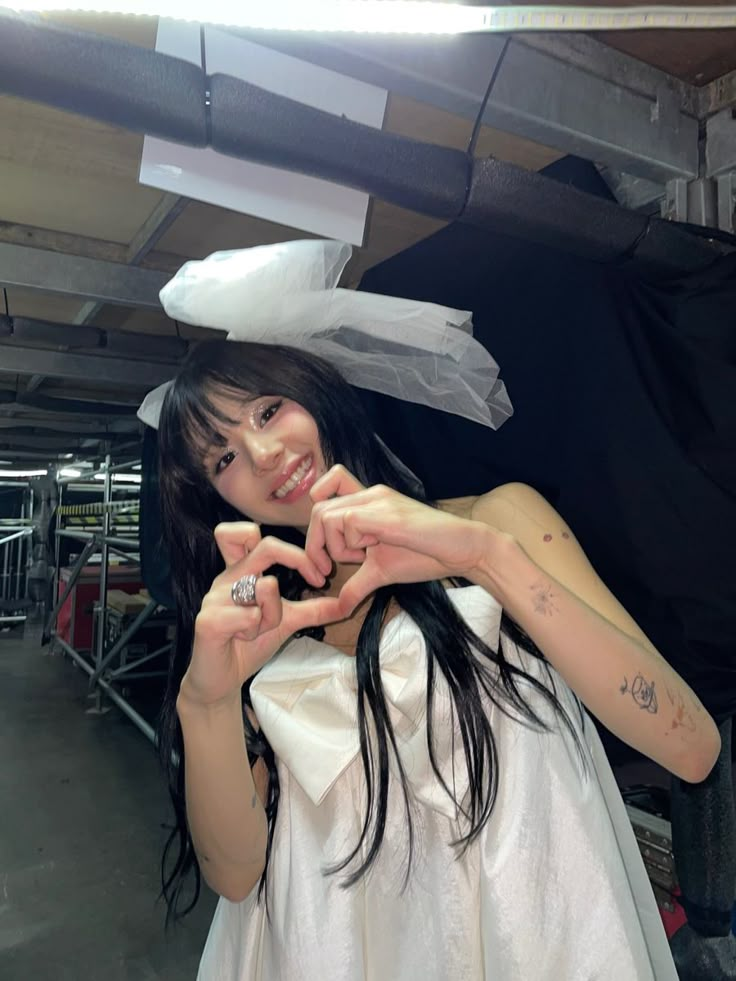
[(625, 419)]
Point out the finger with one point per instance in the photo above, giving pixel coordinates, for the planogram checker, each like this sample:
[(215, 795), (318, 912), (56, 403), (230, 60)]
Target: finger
[(337, 482), (326, 540), (219, 623), (272, 551), (236, 539), (354, 530), (315, 545), (339, 535), (356, 589), (268, 598), (266, 609), (317, 612)]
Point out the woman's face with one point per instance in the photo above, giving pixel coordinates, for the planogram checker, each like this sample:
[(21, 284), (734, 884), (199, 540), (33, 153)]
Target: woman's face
[(271, 460)]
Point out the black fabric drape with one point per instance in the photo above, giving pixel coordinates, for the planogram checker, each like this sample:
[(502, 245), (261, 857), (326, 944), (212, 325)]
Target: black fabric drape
[(625, 419)]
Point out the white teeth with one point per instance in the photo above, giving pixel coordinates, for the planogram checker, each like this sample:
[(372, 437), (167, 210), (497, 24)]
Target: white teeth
[(298, 475)]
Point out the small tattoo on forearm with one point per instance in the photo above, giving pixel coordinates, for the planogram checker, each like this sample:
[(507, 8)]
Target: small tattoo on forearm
[(543, 599), (683, 719), (642, 692)]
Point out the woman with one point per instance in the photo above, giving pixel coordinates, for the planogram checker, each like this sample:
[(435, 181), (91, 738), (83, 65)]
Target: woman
[(418, 793)]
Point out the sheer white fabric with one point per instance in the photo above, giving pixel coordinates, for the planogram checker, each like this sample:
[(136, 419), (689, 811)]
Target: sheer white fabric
[(287, 294), (553, 890)]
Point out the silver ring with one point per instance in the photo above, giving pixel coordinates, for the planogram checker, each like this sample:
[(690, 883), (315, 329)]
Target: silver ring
[(243, 591)]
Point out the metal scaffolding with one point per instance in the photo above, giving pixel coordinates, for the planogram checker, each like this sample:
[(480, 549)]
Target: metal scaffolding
[(109, 665), (15, 554)]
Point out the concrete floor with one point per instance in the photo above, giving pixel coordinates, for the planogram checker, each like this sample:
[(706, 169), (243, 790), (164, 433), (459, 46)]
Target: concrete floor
[(82, 804)]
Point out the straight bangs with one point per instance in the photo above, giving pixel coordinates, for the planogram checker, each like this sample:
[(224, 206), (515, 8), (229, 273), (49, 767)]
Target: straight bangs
[(191, 423)]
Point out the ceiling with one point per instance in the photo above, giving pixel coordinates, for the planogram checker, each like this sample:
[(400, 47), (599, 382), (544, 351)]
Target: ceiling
[(69, 185)]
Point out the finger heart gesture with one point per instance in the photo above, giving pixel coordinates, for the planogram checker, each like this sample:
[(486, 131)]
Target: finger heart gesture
[(244, 620), (393, 538)]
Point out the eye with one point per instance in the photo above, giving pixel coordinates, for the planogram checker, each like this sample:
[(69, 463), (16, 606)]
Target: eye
[(224, 462), (270, 411)]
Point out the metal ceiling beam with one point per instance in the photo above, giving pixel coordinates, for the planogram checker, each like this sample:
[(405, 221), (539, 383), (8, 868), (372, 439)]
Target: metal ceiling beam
[(90, 248), (63, 443), (536, 95), (719, 94), (720, 143), (88, 406), (33, 459), (70, 275), (25, 330), (17, 433), (83, 367), (615, 66), (159, 221), (82, 429)]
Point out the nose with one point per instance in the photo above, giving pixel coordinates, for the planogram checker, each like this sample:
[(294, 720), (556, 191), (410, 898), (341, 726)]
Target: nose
[(264, 450)]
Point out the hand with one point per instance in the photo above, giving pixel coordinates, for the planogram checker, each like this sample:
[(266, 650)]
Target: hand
[(231, 643), (393, 538)]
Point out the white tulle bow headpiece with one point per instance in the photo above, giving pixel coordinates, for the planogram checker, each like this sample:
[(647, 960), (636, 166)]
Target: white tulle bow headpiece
[(288, 294)]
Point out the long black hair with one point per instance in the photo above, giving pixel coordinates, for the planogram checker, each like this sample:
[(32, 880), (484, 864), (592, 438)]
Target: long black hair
[(474, 673)]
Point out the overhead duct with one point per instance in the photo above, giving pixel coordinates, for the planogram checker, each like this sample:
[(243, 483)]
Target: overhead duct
[(28, 436), (25, 330), (47, 403), (152, 93)]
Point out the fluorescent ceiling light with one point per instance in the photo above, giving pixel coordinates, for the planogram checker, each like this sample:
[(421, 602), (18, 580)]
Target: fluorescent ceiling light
[(121, 478), (70, 472), (23, 473), (368, 16), (400, 16)]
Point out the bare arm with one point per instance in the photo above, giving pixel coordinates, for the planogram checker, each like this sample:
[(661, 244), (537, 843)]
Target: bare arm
[(231, 643), (546, 583), (224, 807)]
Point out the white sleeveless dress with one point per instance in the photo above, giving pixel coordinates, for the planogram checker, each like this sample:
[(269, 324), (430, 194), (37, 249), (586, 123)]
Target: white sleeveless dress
[(554, 888)]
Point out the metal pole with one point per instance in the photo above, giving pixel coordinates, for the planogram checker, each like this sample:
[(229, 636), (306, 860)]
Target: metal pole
[(84, 536), (56, 578), (17, 534), (29, 550), (89, 548), (12, 549), (126, 668), (123, 639), (118, 699), (104, 559), (21, 543), (5, 543)]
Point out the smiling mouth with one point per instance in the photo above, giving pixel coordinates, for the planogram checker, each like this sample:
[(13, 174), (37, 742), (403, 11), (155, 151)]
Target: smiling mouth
[(295, 480)]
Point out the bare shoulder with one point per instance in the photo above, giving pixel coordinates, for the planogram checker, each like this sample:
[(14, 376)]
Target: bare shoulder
[(519, 510), (514, 508)]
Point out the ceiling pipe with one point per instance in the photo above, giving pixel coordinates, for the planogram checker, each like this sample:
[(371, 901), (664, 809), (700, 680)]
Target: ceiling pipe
[(49, 403), (148, 92), (25, 330)]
